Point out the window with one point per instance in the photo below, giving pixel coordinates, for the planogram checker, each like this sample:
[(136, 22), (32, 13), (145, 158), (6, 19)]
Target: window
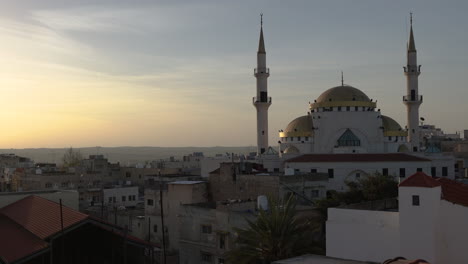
[(389, 138), (130, 198), (113, 199), (444, 171), (339, 108), (124, 198), (348, 108), (385, 171), (48, 185), (331, 174), (150, 202), (263, 97), (433, 171), (416, 200), (358, 175), (276, 170), (206, 229), (313, 170), (128, 174), (155, 228), (206, 257), (306, 139), (419, 169), (222, 241), (348, 139), (314, 193), (220, 261), (110, 199), (298, 138), (356, 108), (402, 172)]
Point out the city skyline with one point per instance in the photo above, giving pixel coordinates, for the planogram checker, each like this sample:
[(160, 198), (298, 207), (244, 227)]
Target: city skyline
[(181, 74)]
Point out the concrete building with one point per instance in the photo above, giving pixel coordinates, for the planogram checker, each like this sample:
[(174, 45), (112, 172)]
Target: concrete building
[(121, 196), (243, 181), (429, 224)]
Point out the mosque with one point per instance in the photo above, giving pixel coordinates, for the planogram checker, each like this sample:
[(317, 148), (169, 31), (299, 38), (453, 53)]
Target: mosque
[(344, 125)]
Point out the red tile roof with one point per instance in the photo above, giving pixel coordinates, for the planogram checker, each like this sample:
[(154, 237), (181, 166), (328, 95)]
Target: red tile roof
[(41, 216), (18, 241), (385, 157), (420, 179), (452, 191)]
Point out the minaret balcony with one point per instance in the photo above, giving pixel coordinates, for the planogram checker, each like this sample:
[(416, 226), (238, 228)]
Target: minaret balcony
[(258, 71), (412, 98), (257, 99)]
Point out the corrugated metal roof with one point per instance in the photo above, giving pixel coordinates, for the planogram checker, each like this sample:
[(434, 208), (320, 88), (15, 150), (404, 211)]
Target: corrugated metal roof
[(384, 157), (41, 216), (17, 242)]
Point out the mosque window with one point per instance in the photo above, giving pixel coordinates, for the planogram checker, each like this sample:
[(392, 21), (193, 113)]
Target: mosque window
[(348, 139)]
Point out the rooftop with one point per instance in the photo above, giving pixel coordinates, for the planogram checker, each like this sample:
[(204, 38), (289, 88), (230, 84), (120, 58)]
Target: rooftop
[(452, 191), (186, 182), (317, 259)]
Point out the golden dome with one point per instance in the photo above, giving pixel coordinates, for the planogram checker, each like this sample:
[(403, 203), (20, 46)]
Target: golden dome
[(392, 128), (291, 150), (299, 127), (344, 95)]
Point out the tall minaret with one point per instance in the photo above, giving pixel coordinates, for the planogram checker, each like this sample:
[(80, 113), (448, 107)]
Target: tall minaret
[(262, 102), (412, 100)]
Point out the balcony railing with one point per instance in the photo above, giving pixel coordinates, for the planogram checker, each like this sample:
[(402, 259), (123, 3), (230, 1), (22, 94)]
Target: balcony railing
[(262, 70), (257, 99), (412, 98)]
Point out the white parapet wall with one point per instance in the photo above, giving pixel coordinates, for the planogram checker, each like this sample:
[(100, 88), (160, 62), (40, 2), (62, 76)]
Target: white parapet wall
[(363, 235)]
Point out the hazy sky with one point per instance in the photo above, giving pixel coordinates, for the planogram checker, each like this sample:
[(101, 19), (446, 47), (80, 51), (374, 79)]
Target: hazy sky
[(180, 73)]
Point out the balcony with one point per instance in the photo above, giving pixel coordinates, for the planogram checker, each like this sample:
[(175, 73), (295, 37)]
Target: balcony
[(261, 71), (412, 98), (257, 99)]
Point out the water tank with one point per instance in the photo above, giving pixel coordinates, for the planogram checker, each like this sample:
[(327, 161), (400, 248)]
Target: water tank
[(262, 202)]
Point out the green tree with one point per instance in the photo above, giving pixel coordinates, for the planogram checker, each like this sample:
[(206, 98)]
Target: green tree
[(71, 158), (277, 233)]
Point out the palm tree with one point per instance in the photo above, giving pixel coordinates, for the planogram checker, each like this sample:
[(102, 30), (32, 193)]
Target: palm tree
[(277, 233)]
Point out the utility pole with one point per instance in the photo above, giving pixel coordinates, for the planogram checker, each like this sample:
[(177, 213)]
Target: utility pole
[(162, 217)]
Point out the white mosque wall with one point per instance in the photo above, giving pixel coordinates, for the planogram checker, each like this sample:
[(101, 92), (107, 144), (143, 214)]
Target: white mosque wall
[(362, 234), (350, 171), (331, 125)]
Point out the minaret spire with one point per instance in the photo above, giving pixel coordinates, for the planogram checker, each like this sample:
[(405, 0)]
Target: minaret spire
[(262, 101), (261, 42), (412, 100), (411, 45)]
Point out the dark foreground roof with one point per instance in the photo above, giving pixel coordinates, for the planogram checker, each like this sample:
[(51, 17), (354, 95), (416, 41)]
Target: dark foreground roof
[(27, 225), (384, 157), (452, 191)]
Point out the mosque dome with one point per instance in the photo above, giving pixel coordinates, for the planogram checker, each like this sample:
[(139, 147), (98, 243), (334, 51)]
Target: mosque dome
[(344, 95), (299, 127), (291, 150), (392, 128)]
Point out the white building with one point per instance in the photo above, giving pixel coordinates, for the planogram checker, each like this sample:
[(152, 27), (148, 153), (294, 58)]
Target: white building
[(346, 135), (122, 196), (430, 224)]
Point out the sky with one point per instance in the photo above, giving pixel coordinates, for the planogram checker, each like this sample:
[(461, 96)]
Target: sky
[(177, 73)]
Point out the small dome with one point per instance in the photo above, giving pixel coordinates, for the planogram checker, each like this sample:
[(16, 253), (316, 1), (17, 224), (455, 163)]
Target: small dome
[(299, 127), (344, 95), (392, 128), (291, 150)]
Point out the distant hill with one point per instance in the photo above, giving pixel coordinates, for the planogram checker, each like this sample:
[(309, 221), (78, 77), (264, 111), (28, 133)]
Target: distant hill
[(126, 155)]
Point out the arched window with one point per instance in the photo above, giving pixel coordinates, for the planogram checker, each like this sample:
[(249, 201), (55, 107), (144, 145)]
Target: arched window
[(348, 139)]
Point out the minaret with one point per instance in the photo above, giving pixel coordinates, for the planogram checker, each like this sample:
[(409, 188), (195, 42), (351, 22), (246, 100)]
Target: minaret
[(412, 100), (262, 102)]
